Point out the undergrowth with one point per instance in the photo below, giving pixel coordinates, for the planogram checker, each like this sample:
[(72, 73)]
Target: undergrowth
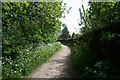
[(28, 61), (86, 66)]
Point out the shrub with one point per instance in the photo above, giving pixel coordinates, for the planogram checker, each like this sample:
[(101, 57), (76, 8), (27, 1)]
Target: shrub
[(86, 65), (29, 23)]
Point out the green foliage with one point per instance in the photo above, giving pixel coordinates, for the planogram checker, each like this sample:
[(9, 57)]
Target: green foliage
[(80, 58), (26, 26), (65, 32), (29, 60), (78, 35), (0, 70), (103, 70), (73, 35), (96, 54), (102, 29), (29, 23), (86, 65), (99, 15)]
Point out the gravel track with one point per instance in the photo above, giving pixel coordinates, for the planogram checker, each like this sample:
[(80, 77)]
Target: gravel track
[(58, 66)]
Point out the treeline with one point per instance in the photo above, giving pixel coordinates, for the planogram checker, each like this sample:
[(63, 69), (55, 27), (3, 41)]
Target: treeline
[(96, 54), (65, 34)]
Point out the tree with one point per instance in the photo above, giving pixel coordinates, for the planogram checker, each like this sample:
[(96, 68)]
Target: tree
[(78, 35), (29, 23), (74, 35), (65, 32), (99, 15)]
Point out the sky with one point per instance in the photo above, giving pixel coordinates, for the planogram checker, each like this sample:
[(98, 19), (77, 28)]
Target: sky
[(73, 18)]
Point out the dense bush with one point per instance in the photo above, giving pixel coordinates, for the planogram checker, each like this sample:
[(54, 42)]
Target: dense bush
[(25, 63), (26, 29), (99, 15), (73, 35), (29, 23), (87, 66), (96, 54)]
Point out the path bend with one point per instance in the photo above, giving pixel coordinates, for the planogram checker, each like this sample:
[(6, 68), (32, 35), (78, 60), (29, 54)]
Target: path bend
[(58, 66)]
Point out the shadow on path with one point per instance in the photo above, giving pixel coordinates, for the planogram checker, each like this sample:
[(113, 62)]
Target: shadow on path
[(58, 66)]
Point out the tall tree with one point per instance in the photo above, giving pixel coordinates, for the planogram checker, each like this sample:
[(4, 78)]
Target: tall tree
[(65, 32)]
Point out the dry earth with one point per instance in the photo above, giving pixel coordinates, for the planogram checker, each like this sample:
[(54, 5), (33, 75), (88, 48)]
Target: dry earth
[(58, 66)]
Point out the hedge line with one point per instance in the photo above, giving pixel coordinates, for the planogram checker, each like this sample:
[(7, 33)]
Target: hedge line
[(97, 54)]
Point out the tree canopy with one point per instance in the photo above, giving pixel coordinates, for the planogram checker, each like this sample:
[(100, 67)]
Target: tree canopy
[(29, 23), (99, 15), (65, 32)]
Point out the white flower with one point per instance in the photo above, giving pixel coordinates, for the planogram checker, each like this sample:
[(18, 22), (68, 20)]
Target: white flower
[(94, 71), (20, 70), (28, 53), (86, 68), (14, 71), (16, 65), (10, 62), (3, 62)]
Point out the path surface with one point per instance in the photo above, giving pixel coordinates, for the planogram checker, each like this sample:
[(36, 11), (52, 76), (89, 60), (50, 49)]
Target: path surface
[(58, 66)]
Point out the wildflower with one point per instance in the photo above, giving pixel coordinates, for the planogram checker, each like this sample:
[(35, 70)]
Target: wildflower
[(86, 68), (20, 70), (94, 71), (10, 62), (3, 62), (28, 53), (21, 76), (16, 65), (14, 71)]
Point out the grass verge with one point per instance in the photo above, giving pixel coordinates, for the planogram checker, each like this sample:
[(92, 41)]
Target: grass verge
[(28, 61)]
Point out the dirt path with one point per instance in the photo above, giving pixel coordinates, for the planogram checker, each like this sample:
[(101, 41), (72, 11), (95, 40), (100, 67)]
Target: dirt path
[(58, 66)]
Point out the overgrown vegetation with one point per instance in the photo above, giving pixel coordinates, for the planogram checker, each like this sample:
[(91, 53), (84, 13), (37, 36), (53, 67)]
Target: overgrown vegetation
[(28, 61), (96, 54), (29, 23), (74, 35), (26, 26)]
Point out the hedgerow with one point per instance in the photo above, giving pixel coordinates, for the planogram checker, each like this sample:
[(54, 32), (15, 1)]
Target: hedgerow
[(96, 54), (25, 23), (29, 60), (26, 28)]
